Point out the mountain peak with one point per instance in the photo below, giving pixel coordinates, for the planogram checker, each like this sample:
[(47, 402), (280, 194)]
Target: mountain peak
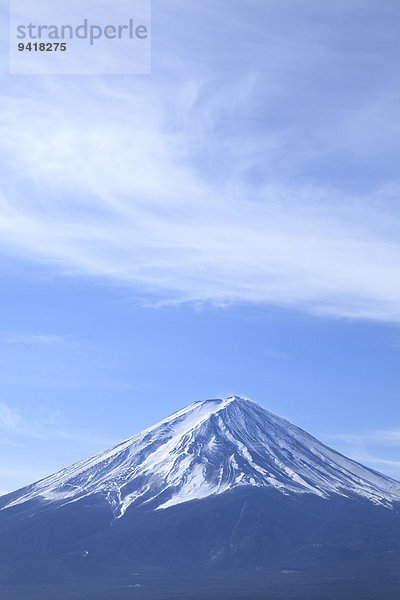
[(206, 448), (218, 402)]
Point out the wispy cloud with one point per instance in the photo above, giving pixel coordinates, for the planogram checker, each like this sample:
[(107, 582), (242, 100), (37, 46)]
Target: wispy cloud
[(374, 448), (379, 436), (43, 425), (10, 418), (201, 198), (14, 421), (46, 339), (23, 430)]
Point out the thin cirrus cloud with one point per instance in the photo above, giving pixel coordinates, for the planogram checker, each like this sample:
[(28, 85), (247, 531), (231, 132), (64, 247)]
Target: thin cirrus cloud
[(374, 448), (45, 339), (13, 421), (120, 202), (381, 436), (370, 458), (9, 418), (42, 425), (215, 182)]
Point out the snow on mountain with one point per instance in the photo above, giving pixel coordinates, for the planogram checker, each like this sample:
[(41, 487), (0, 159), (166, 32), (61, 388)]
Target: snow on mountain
[(208, 448)]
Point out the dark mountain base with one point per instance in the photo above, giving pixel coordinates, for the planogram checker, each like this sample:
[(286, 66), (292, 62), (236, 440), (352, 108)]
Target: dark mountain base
[(154, 586), (248, 543)]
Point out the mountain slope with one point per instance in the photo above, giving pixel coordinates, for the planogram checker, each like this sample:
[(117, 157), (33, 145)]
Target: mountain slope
[(209, 448)]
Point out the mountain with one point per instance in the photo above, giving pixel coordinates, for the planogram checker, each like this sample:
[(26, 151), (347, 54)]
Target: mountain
[(221, 498), (208, 448)]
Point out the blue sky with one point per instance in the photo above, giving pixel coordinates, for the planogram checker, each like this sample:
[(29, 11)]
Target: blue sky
[(228, 224)]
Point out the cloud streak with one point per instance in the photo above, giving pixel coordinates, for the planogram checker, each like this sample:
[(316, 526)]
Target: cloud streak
[(41, 339), (380, 436), (374, 448), (43, 426), (9, 417)]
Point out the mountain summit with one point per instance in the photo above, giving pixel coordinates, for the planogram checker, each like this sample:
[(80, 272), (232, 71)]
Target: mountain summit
[(208, 448)]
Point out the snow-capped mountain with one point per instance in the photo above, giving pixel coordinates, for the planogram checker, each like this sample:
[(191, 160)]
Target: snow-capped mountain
[(206, 449), (220, 500)]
